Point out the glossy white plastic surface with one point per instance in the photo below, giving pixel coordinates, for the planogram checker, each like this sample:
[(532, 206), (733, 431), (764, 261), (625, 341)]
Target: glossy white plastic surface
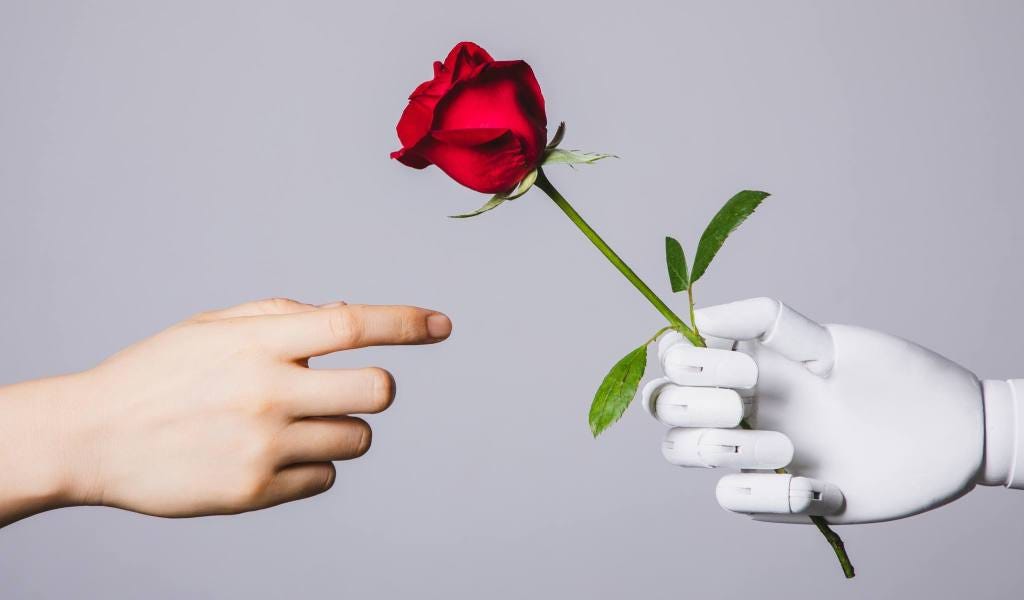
[(687, 365), (692, 406), (778, 493), (881, 428), (1004, 428), (736, 448)]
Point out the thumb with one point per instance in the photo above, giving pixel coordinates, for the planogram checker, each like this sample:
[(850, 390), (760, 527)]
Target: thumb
[(776, 326)]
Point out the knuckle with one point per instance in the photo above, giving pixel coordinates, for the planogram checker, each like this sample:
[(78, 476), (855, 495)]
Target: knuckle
[(257, 451), (767, 304), (413, 325), (200, 317), (248, 488), (252, 491), (260, 402), (382, 389), (275, 305), (346, 327), (262, 407)]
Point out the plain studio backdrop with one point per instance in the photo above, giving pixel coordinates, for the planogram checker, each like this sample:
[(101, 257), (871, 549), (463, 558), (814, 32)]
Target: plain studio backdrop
[(157, 159)]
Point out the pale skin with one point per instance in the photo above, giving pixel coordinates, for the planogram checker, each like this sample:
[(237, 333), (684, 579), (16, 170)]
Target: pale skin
[(218, 414)]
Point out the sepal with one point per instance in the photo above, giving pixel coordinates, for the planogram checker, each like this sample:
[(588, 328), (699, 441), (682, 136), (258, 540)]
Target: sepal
[(557, 139), (558, 156), (498, 199)]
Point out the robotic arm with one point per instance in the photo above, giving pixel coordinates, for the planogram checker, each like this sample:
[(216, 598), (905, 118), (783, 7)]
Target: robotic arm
[(870, 427)]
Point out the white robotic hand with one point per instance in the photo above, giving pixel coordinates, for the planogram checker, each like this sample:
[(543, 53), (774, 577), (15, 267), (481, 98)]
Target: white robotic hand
[(870, 427)]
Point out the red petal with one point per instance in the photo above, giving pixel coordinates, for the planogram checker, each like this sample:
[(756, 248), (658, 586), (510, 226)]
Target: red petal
[(505, 95), (415, 122), (409, 158), (468, 137), (464, 61), (482, 122), (493, 166), (466, 55)]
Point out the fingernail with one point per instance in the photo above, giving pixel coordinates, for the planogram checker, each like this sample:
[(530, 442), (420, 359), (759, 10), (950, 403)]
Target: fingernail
[(439, 326), (334, 304)]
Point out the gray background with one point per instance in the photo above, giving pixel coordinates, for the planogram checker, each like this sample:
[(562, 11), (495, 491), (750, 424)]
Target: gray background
[(159, 159)]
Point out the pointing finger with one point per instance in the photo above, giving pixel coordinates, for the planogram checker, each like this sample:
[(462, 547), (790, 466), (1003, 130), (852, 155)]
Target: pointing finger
[(269, 306), (330, 329)]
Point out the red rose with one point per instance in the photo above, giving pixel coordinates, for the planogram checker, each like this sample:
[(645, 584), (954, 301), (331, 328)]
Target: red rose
[(480, 120)]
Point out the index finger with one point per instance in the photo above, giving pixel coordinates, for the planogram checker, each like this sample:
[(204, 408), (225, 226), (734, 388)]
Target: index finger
[(330, 329), (709, 367)]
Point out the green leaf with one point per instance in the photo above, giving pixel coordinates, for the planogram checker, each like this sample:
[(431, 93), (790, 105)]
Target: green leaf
[(617, 390), (557, 139), (557, 156), (497, 199), (491, 204), (676, 261), (732, 215)]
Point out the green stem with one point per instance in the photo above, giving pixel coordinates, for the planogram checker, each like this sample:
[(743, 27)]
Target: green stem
[(657, 334), (693, 319), (831, 537), (837, 545), (677, 323)]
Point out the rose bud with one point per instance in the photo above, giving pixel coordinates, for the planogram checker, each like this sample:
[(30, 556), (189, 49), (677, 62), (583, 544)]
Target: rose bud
[(480, 120)]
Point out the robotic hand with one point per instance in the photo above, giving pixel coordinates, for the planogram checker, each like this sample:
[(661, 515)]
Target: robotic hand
[(870, 426)]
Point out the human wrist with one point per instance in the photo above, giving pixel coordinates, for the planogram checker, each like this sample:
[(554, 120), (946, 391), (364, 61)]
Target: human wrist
[(1004, 428), (42, 447)]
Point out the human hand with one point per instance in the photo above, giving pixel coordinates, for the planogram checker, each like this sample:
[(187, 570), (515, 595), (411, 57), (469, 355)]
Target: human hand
[(220, 414), (872, 427)]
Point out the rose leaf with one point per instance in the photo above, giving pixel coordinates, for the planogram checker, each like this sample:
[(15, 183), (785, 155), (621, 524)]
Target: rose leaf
[(676, 261), (617, 390), (731, 216)]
